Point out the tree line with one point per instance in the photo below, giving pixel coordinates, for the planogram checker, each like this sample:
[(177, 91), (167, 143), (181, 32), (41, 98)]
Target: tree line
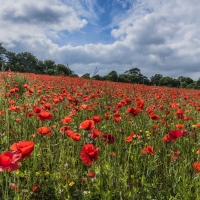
[(27, 62)]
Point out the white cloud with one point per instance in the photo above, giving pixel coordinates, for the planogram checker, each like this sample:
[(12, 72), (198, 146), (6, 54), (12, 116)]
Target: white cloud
[(28, 20), (156, 36)]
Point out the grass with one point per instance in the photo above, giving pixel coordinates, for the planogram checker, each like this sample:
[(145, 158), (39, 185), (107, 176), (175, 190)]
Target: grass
[(122, 170)]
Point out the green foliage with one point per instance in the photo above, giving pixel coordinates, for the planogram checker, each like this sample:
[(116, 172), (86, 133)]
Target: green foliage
[(112, 76), (87, 76)]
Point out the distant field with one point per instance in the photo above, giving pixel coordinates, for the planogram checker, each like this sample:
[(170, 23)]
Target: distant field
[(72, 138)]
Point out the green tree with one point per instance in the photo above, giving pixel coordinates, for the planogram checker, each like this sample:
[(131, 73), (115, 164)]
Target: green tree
[(183, 84), (112, 76), (123, 78), (97, 77), (131, 71), (155, 80), (27, 61), (62, 69), (87, 76), (49, 67)]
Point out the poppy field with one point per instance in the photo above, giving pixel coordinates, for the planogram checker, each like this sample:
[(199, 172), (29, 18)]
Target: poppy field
[(70, 138)]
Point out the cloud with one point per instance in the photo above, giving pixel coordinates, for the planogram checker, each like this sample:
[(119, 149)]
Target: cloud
[(156, 36), (27, 20)]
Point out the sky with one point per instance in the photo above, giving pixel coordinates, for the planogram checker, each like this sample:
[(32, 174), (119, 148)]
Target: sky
[(156, 36)]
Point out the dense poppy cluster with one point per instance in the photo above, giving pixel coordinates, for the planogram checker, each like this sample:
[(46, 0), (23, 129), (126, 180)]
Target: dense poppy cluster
[(94, 121)]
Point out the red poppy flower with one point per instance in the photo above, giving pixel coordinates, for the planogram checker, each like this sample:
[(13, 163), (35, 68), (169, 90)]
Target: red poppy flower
[(153, 116), (107, 116), (148, 150), (196, 166), (95, 133), (129, 139), (25, 147), (69, 132), (117, 117), (83, 106), (44, 131), (22, 149), (87, 124), (37, 109), (44, 115), (140, 103), (66, 120), (180, 126), (75, 136), (109, 138), (35, 187), (47, 106), (89, 154), (179, 113), (134, 111), (166, 138), (197, 151), (91, 174), (173, 135), (7, 162), (96, 118), (64, 128)]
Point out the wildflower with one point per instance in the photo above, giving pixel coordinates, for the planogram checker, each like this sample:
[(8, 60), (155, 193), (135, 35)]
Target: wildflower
[(180, 126), (44, 130), (107, 115), (86, 192), (113, 154), (71, 183), (64, 128), (95, 133), (7, 162), (96, 118), (148, 150), (92, 174), (196, 166), (197, 126), (87, 124), (129, 139), (134, 111), (75, 136), (35, 187), (197, 151), (89, 154), (109, 138), (37, 173), (166, 138), (18, 120), (14, 187), (179, 113), (22, 149), (44, 115), (140, 103), (2, 112), (153, 116), (175, 134), (47, 106), (66, 120), (37, 109), (117, 117)]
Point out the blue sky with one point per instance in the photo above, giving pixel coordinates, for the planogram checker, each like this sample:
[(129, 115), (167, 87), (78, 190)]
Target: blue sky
[(156, 36)]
